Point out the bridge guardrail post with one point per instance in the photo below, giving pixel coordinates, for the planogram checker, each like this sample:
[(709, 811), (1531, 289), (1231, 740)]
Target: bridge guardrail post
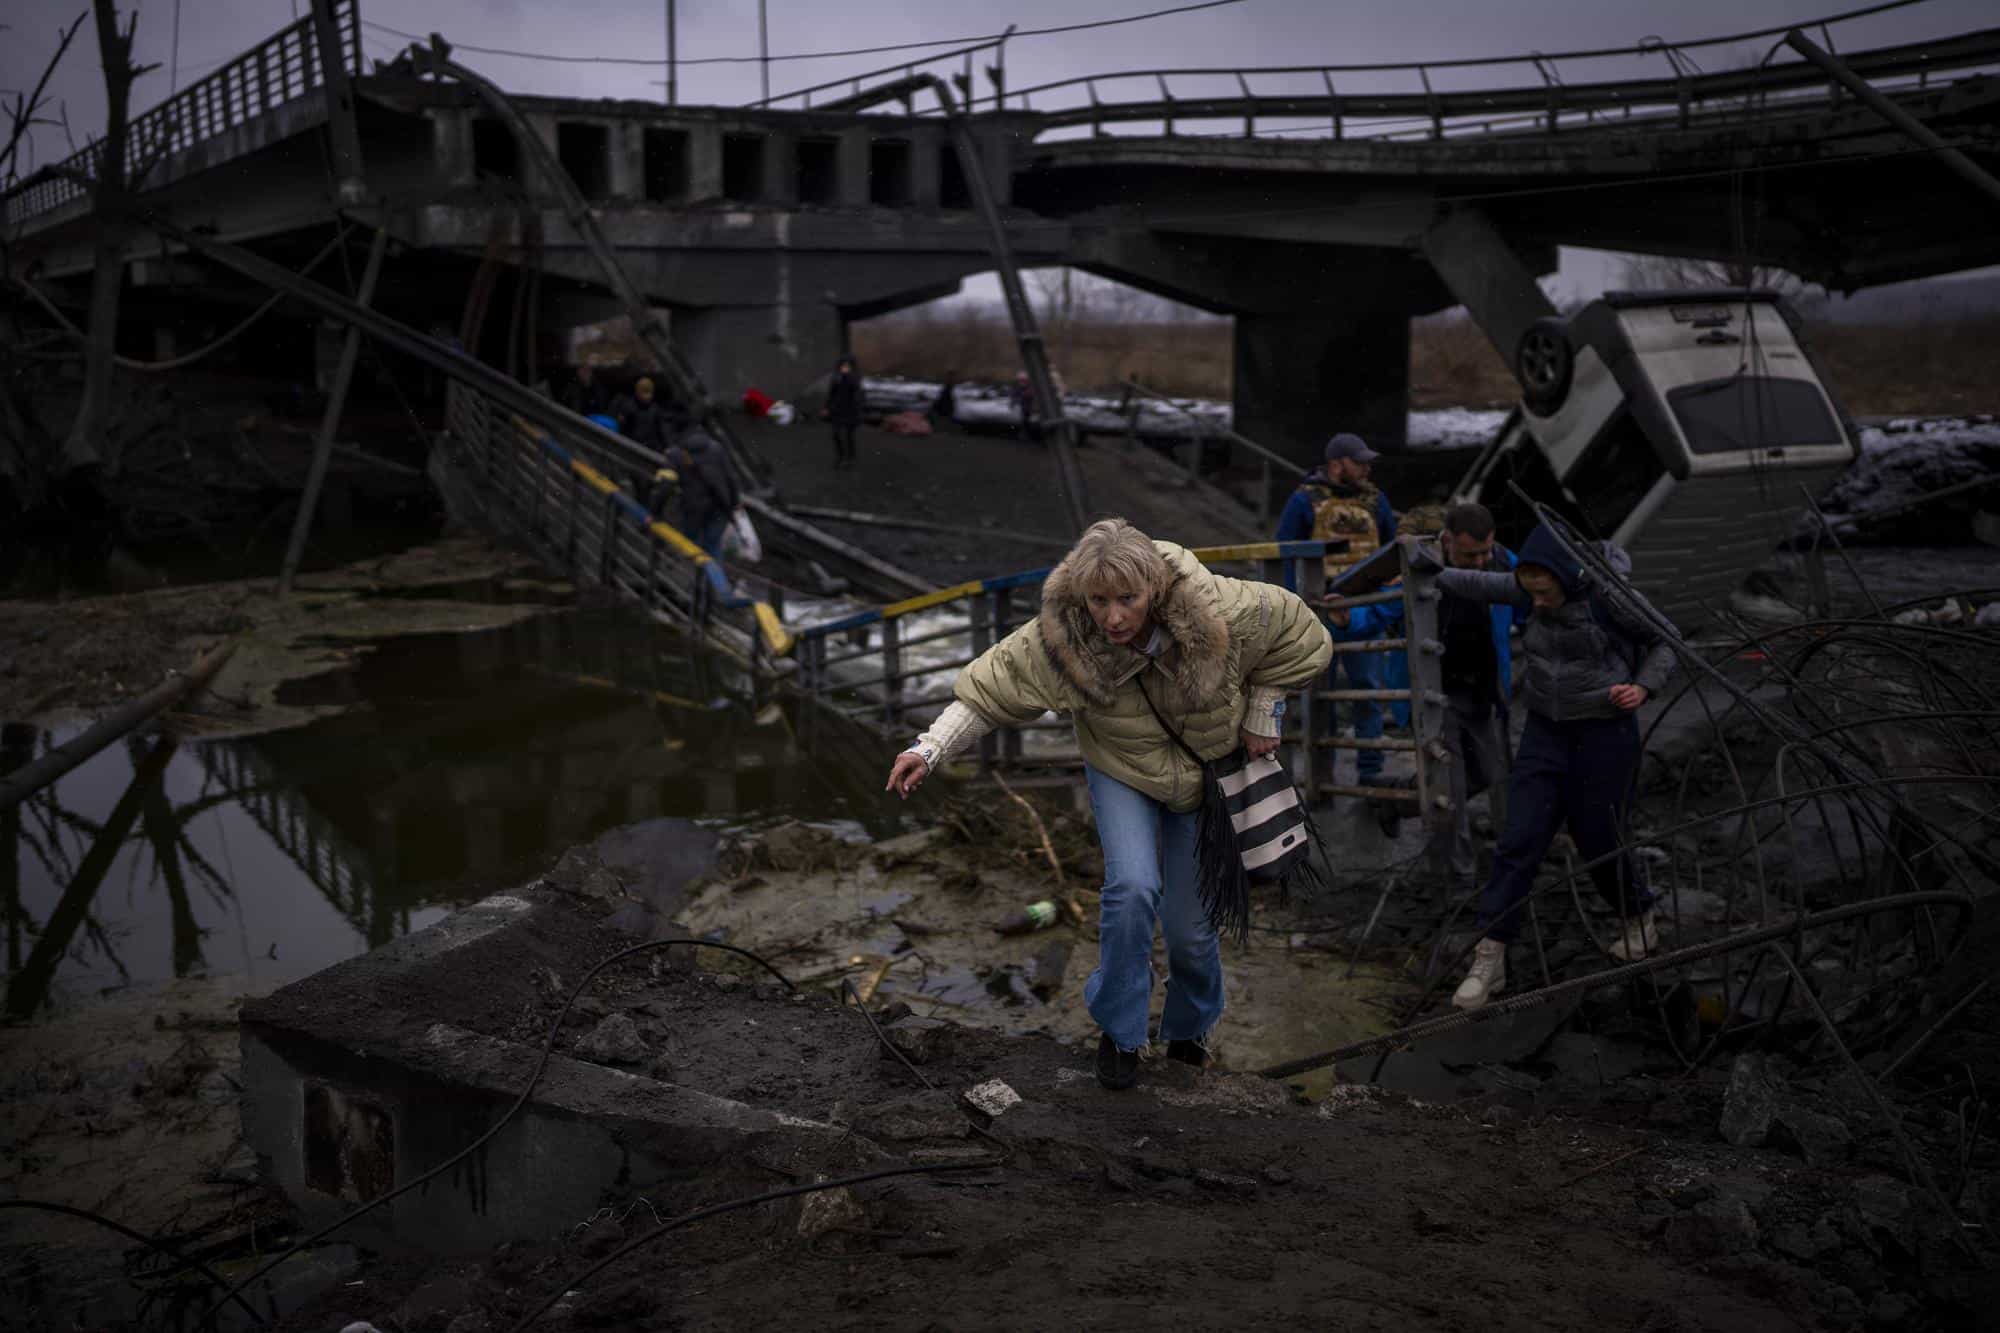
[(892, 671), (1430, 714), (1249, 101), (1333, 102)]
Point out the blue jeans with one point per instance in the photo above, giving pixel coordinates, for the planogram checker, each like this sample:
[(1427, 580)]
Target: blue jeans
[(1149, 873), (1364, 672), (1576, 773), (709, 538)]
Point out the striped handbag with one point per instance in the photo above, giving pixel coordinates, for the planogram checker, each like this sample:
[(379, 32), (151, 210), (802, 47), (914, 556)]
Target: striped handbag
[(1252, 826)]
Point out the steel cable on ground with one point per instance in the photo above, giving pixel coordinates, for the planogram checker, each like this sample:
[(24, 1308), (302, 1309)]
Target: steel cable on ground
[(1623, 849), (1387, 1042), (838, 1182), (534, 1079), (178, 362), (1011, 34), (185, 1261)]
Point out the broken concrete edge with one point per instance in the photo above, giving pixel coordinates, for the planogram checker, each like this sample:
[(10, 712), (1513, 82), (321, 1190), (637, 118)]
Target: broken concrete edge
[(344, 1101)]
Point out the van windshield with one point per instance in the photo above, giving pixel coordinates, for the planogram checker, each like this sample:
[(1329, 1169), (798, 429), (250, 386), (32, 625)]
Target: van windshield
[(1741, 412)]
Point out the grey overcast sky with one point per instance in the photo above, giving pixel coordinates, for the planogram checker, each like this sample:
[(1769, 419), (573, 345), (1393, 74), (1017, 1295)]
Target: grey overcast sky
[(1250, 33)]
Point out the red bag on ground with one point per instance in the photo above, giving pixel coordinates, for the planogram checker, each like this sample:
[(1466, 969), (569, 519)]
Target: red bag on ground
[(907, 423), (756, 402)]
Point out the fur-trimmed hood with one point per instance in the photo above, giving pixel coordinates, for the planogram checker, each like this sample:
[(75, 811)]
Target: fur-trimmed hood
[(1189, 609)]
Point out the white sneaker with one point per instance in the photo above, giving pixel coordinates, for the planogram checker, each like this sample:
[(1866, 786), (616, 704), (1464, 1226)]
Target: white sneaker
[(1487, 978), (1639, 938)]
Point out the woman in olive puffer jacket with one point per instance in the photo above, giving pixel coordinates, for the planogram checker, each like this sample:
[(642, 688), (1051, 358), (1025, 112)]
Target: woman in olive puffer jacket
[(1125, 619)]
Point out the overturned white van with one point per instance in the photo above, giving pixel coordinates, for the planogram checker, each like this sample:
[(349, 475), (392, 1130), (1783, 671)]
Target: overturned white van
[(1686, 426)]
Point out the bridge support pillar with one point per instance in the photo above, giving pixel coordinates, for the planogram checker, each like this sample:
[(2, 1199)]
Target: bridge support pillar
[(1302, 377), (779, 348)]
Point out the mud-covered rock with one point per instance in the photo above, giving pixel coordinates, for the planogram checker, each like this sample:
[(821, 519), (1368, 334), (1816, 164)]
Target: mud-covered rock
[(616, 1041), (600, 1238), (1750, 1106), (931, 1114), (923, 1040), (1711, 1229)]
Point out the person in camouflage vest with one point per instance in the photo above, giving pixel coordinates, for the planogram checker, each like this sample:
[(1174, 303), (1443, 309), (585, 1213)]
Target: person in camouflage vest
[(1337, 501)]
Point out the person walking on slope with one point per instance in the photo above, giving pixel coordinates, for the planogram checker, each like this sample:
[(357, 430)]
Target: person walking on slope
[(1477, 671), (1336, 501), (843, 409), (708, 496), (1590, 665), (1157, 661)]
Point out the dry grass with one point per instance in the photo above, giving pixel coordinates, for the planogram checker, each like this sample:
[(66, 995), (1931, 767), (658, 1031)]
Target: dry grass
[(1933, 368), (1928, 368), (1173, 357)]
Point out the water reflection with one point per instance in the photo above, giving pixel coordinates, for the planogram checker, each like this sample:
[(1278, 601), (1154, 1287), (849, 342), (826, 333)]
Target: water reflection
[(464, 762)]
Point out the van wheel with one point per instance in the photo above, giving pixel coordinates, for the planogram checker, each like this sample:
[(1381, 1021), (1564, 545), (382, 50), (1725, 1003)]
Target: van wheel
[(1544, 363)]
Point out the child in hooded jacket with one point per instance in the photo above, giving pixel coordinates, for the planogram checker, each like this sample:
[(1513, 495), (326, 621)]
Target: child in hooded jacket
[(1590, 664)]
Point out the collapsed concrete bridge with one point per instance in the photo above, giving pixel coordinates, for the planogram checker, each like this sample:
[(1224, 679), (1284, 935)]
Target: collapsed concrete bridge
[(765, 230)]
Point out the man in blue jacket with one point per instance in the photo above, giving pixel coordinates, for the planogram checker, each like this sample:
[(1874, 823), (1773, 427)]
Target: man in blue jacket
[(1336, 501), (1477, 671)]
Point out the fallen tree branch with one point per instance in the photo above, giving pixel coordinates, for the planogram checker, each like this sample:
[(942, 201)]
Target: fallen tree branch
[(25, 781), (1048, 849)]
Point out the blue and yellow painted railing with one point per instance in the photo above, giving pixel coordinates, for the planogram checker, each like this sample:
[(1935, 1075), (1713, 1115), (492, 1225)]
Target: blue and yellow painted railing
[(1208, 555), (777, 640)]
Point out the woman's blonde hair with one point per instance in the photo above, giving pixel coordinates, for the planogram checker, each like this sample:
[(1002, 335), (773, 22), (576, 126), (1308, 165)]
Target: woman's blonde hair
[(1112, 556)]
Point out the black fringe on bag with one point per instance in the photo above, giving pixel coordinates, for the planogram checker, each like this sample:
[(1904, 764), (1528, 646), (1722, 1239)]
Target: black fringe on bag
[(1282, 856), (1224, 883)]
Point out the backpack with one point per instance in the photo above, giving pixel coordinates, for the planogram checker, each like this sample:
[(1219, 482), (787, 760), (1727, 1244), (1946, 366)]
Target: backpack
[(1349, 518)]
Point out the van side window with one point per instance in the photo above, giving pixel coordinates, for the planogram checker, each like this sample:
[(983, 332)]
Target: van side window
[(1614, 474), (1742, 412)]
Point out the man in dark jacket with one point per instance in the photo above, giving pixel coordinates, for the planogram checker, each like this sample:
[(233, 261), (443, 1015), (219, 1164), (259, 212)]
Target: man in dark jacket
[(1477, 673), (583, 395), (1338, 501), (843, 409), (708, 494), (642, 417), (1590, 665)]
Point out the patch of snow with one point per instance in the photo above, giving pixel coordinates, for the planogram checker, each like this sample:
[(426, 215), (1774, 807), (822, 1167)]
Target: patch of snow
[(1905, 459), (992, 406)]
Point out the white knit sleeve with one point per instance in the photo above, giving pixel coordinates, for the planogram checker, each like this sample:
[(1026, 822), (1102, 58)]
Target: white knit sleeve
[(956, 728), (1261, 717)]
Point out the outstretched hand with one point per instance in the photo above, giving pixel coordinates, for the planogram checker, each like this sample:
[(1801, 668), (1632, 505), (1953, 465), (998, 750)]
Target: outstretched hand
[(907, 774)]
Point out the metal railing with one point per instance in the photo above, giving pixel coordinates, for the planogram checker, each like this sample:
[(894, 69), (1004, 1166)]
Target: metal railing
[(282, 68), (561, 491), (1269, 465), (1684, 97)]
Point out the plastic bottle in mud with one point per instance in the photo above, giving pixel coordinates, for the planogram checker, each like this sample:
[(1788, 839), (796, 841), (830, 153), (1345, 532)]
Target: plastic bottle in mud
[(1033, 917)]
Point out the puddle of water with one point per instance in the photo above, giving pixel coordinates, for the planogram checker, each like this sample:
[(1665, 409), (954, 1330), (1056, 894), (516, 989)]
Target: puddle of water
[(463, 763)]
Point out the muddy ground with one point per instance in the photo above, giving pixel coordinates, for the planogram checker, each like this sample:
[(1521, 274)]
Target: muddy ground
[(80, 656), (1573, 1174)]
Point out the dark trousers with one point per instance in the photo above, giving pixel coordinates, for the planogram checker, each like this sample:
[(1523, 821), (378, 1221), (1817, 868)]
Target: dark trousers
[(843, 442), (1576, 773)]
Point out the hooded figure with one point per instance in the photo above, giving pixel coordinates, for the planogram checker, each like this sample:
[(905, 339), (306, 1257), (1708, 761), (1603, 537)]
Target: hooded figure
[(1163, 667), (1592, 658), (708, 495)]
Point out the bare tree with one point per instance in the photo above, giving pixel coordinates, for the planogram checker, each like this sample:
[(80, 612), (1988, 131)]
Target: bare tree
[(26, 110), (88, 444), (25, 444)]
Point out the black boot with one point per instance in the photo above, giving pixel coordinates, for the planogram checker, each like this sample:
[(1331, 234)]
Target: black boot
[(1116, 1069), (1189, 1052)]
